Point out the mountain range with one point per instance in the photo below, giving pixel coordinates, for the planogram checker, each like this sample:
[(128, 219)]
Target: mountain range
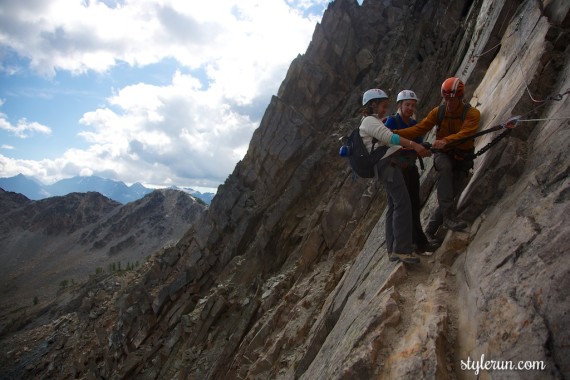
[(115, 190), (48, 244)]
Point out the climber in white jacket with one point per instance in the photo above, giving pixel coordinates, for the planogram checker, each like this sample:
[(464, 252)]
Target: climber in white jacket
[(375, 104)]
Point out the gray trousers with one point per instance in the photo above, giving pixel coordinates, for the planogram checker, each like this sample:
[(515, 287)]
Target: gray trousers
[(399, 214), (451, 182)]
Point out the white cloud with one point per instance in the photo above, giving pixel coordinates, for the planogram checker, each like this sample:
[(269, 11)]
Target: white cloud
[(6, 146), (173, 134), (88, 35), (23, 127), (161, 132), (44, 169), (181, 133)]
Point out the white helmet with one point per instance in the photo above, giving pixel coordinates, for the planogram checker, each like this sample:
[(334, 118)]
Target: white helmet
[(407, 95), (374, 93)]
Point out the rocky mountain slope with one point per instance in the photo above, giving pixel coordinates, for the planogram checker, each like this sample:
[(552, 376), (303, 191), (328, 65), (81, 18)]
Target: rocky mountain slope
[(286, 275), (48, 245)]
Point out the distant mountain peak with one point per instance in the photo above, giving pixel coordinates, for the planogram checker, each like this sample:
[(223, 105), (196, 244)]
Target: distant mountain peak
[(115, 190)]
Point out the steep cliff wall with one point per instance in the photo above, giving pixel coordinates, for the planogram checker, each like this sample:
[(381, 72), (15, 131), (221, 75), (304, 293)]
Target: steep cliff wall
[(287, 277)]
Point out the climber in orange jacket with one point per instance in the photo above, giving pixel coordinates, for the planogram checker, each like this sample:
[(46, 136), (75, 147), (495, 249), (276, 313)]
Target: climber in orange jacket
[(454, 120)]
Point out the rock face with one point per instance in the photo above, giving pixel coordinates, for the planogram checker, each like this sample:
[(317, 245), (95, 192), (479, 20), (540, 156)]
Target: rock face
[(286, 275)]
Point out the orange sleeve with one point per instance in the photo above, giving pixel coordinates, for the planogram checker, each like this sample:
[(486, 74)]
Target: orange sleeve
[(469, 127), (421, 128)]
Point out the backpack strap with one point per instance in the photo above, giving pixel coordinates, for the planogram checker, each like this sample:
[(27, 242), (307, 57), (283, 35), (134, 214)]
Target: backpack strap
[(422, 166), (466, 108), (374, 141), (396, 118), (441, 113)]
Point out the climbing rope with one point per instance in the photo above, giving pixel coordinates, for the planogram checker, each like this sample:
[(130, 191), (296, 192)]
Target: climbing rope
[(516, 29), (505, 19), (542, 103), (473, 56), (526, 83), (505, 134), (509, 125), (557, 97), (546, 119)]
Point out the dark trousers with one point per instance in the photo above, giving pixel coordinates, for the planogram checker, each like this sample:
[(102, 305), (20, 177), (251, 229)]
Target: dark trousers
[(399, 226), (412, 179), (452, 179)]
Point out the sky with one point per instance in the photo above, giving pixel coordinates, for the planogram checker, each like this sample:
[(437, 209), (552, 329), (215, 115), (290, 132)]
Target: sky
[(161, 92)]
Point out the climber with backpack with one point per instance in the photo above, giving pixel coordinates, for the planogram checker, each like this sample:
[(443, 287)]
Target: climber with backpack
[(404, 118), (381, 144), (455, 120)]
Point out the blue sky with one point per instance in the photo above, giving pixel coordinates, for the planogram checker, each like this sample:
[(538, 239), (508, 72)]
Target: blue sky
[(164, 92)]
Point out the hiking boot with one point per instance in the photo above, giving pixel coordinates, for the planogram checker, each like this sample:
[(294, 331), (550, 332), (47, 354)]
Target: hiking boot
[(407, 258), (431, 245), (392, 257), (428, 248), (433, 240), (454, 224)]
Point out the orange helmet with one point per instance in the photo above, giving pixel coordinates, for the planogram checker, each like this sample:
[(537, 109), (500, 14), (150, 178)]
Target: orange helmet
[(452, 88)]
